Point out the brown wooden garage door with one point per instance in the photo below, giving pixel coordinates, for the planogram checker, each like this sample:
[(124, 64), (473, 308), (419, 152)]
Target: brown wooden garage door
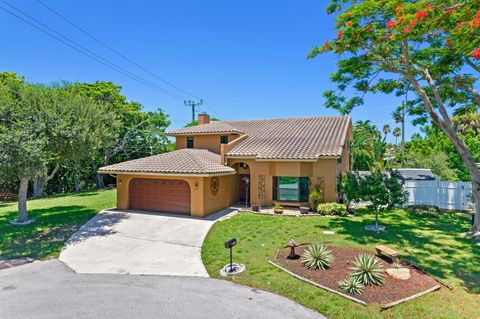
[(160, 195)]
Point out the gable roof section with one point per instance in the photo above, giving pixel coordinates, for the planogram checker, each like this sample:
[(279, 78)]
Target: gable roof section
[(184, 161), (305, 138), (210, 128), (292, 138)]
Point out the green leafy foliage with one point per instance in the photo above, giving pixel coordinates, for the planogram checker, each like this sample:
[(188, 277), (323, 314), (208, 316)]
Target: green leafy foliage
[(368, 270), (348, 187), (424, 210), (316, 195), (367, 147), (332, 209), (317, 256), (351, 285), (446, 163), (382, 189), (430, 48)]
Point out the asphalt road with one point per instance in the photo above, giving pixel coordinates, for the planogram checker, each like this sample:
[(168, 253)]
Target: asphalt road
[(51, 290)]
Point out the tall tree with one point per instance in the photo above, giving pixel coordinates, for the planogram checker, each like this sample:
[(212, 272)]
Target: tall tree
[(434, 45), (138, 134), (397, 132), (77, 127), (364, 146), (22, 138), (386, 130)]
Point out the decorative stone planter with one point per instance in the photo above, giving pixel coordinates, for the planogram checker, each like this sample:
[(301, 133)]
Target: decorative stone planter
[(278, 210), (304, 210), (255, 208)]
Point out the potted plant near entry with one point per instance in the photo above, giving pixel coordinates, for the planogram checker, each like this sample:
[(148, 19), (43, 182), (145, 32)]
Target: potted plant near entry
[(256, 208), (277, 208), (315, 197)]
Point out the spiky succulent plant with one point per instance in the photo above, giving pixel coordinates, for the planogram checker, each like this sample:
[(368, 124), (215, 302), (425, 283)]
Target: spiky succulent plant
[(368, 270), (351, 285), (317, 256)]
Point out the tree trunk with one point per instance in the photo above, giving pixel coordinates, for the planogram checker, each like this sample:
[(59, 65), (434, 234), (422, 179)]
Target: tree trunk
[(98, 177), (76, 182), (444, 123), (22, 199), (40, 183), (465, 155), (376, 217), (76, 185), (39, 187)]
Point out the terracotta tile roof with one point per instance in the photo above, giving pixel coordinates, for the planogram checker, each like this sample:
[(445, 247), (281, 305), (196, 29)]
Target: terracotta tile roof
[(210, 128), (184, 161), (287, 138), (292, 138)]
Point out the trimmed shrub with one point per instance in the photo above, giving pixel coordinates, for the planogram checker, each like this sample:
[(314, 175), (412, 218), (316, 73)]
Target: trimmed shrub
[(317, 256), (334, 209), (368, 270), (424, 210), (351, 285)]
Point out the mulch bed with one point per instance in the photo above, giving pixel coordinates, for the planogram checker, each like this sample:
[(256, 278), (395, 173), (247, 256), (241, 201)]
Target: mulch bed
[(15, 262), (392, 290)]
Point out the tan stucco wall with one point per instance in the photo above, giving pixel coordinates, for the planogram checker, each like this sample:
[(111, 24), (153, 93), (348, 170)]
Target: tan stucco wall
[(225, 197), (203, 203), (325, 168), (207, 142)]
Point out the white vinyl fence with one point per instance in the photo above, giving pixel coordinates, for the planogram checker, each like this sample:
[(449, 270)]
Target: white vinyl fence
[(444, 194)]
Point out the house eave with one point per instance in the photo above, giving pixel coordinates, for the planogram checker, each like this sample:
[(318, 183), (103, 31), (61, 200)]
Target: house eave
[(310, 160), (166, 174), (203, 133)]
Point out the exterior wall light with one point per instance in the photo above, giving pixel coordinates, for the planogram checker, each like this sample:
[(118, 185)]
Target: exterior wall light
[(195, 186)]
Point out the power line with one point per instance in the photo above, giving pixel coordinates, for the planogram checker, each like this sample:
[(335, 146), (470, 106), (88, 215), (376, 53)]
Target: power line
[(86, 51), (114, 50)]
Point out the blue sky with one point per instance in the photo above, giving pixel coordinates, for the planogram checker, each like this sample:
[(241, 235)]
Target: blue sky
[(246, 59)]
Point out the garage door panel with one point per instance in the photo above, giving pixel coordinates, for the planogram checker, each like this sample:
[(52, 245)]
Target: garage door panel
[(161, 195)]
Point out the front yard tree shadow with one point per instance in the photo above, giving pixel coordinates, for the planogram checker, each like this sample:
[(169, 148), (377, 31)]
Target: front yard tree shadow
[(45, 237), (435, 244)]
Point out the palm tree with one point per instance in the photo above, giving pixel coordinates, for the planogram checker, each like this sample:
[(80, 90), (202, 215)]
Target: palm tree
[(386, 129), (397, 132)]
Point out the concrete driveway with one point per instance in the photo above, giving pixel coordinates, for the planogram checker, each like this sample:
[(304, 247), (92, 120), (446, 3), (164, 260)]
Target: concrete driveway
[(49, 290), (119, 242)]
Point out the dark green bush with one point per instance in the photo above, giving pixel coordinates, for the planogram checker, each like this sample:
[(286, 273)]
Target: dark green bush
[(424, 210), (334, 209)]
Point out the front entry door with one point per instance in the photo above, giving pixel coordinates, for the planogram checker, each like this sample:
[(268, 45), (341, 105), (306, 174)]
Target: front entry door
[(244, 188)]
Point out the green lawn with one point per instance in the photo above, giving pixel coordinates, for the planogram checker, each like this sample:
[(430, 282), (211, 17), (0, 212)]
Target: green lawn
[(435, 244), (57, 218)]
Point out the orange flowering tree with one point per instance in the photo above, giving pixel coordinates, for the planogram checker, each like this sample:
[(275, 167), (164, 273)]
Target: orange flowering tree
[(431, 47)]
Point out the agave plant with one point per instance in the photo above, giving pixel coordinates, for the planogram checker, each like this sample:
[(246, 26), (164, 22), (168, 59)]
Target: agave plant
[(368, 270), (317, 256), (351, 285)]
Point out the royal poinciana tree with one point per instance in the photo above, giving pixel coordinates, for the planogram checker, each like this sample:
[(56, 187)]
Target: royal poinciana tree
[(432, 46)]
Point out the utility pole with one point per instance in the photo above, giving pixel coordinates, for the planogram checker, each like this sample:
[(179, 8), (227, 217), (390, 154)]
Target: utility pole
[(193, 105)]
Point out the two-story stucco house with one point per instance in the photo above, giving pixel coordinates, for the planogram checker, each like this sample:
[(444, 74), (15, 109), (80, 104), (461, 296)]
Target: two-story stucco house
[(220, 163)]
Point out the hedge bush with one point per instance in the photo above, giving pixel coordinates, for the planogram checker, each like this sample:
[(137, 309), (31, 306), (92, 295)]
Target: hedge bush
[(334, 209), (424, 210)]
